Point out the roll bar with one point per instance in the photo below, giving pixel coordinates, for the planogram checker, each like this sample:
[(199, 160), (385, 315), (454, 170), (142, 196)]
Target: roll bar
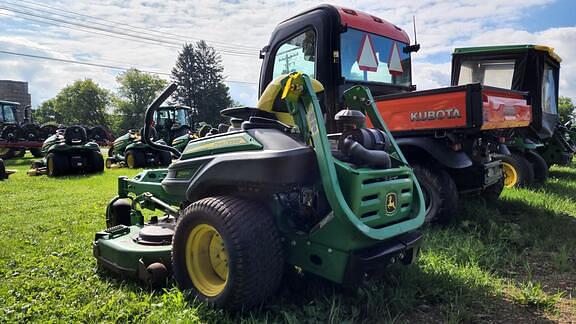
[(149, 118)]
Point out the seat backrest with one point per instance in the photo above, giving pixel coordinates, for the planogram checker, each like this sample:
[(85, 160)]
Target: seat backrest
[(271, 102), (75, 135)]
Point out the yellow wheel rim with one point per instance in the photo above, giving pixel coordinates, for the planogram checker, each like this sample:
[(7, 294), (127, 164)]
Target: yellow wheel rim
[(50, 166), (207, 260), (130, 161), (510, 175)]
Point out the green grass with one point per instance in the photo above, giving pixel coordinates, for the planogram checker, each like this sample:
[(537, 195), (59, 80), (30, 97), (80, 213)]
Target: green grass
[(513, 261)]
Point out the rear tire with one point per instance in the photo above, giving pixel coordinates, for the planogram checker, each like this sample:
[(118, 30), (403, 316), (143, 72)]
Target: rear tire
[(165, 158), (2, 171), (19, 153), (248, 239), (36, 152), (539, 166), (440, 193), (135, 159), (57, 164), (516, 169), (6, 153), (95, 162)]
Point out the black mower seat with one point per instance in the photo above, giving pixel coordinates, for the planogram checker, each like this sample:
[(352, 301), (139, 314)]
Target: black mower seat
[(260, 122), (75, 135), (244, 113)]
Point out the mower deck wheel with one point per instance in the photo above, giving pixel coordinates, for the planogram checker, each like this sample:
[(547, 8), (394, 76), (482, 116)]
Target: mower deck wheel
[(440, 193), (227, 251), (539, 166)]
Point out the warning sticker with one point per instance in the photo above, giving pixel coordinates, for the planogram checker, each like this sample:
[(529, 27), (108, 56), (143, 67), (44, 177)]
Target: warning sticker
[(395, 63), (367, 59)]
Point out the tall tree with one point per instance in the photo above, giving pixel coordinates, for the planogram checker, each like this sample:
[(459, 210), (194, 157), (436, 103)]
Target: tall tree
[(566, 109), (136, 92), (47, 112), (83, 102), (198, 73)]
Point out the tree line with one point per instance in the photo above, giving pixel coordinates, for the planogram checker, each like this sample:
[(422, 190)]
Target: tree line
[(198, 72)]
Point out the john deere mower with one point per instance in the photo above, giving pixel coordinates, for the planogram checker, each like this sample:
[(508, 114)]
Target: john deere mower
[(170, 123), (68, 152), (239, 206)]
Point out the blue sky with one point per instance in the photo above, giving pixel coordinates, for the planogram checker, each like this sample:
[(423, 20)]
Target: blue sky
[(246, 25)]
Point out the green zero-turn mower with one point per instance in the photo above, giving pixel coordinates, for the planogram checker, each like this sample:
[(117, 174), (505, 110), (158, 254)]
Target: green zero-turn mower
[(241, 205), (68, 152), (171, 124)]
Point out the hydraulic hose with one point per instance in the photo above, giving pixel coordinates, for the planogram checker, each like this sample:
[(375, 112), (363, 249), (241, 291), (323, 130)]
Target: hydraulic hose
[(372, 158)]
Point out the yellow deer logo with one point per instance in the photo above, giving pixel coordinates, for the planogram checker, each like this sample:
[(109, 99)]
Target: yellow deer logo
[(390, 203)]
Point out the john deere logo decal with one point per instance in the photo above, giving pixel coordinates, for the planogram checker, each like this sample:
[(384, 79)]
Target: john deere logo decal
[(391, 203)]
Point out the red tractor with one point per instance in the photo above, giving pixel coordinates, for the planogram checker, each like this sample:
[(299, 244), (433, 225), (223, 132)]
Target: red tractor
[(449, 135)]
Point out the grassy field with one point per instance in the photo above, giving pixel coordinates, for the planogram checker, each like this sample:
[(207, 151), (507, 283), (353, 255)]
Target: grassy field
[(514, 261)]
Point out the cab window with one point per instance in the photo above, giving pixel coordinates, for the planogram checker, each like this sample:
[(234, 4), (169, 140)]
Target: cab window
[(549, 91), (297, 54), (495, 73)]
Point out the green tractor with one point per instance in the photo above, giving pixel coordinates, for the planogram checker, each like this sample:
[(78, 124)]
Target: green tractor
[(68, 152), (533, 69), (240, 206), (171, 124)]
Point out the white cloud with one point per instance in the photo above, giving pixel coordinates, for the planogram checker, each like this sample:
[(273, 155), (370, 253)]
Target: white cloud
[(442, 25)]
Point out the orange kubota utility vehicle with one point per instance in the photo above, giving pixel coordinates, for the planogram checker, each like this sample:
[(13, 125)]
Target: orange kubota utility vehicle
[(449, 135)]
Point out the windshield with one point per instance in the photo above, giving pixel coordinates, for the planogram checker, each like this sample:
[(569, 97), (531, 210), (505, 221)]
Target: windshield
[(549, 91), (495, 73), (7, 114), (175, 117), (373, 58)]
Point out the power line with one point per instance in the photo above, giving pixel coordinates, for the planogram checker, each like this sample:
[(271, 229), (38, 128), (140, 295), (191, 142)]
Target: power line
[(149, 31), (114, 34), (100, 65)]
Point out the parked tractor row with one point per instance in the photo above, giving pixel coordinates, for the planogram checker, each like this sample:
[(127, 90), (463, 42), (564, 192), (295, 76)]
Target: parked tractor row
[(18, 136)]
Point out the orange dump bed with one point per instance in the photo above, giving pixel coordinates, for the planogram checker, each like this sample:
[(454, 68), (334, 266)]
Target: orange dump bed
[(471, 106)]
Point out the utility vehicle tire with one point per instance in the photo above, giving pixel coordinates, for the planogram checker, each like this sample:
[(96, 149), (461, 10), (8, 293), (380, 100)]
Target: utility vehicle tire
[(238, 231), (539, 166), (517, 170), (111, 151), (135, 159), (95, 162), (165, 158), (36, 152), (57, 164), (493, 192), (440, 193)]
